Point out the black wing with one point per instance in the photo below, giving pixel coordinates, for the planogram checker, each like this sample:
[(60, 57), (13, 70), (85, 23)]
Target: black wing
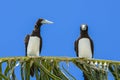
[(26, 43), (40, 44), (76, 47)]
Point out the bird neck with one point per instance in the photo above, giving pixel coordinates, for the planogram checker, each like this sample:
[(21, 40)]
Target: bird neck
[(84, 34), (36, 31)]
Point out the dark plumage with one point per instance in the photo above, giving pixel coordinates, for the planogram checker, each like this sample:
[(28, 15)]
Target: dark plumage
[(33, 42), (84, 45), (84, 34)]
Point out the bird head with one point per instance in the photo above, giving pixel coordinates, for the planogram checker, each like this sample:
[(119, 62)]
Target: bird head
[(43, 21), (84, 27)]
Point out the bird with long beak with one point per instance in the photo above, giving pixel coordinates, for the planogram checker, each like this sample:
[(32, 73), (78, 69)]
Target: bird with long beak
[(33, 42), (84, 45)]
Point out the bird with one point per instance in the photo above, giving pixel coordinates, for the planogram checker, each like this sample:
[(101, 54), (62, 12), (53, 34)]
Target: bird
[(84, 46), (33, 41)]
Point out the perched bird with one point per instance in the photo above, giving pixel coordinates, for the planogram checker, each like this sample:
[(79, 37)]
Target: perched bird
[(33, 42), (84, 45)]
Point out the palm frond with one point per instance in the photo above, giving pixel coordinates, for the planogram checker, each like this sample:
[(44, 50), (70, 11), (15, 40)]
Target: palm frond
[(48, 68)]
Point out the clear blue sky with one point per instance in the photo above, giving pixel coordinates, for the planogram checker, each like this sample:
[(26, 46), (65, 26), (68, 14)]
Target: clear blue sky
[(17, 18)]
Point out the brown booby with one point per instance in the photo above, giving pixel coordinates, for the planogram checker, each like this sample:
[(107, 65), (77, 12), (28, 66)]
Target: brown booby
[(33, 42), (84, 45)]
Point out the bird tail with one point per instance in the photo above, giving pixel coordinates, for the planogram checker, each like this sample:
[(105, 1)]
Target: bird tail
[(85, 77), (32, 70)]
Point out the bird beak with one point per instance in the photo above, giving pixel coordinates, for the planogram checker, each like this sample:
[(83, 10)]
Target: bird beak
[(83, 26), (46, 22)]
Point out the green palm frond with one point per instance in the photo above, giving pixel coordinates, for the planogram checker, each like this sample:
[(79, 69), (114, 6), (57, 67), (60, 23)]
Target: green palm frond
[(49, 68)]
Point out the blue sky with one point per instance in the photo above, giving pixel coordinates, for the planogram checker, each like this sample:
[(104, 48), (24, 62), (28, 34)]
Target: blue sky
[(17, 19)]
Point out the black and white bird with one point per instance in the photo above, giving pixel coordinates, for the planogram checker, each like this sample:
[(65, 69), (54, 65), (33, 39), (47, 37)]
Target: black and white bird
[(33, 42), (84, 45)]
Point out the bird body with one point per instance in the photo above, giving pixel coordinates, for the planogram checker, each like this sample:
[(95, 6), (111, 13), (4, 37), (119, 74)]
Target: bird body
[(33, 42), (33, 46), (84, 45), (84, 48)]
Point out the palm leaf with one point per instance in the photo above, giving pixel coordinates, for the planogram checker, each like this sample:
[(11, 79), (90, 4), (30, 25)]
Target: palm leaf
[(48, 68)]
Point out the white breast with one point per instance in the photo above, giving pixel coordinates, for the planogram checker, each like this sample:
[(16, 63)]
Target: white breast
[(33, 46), (84, 48)]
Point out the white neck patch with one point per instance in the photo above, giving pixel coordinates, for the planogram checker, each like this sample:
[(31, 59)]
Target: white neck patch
[(84, 48), (33, 46)]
